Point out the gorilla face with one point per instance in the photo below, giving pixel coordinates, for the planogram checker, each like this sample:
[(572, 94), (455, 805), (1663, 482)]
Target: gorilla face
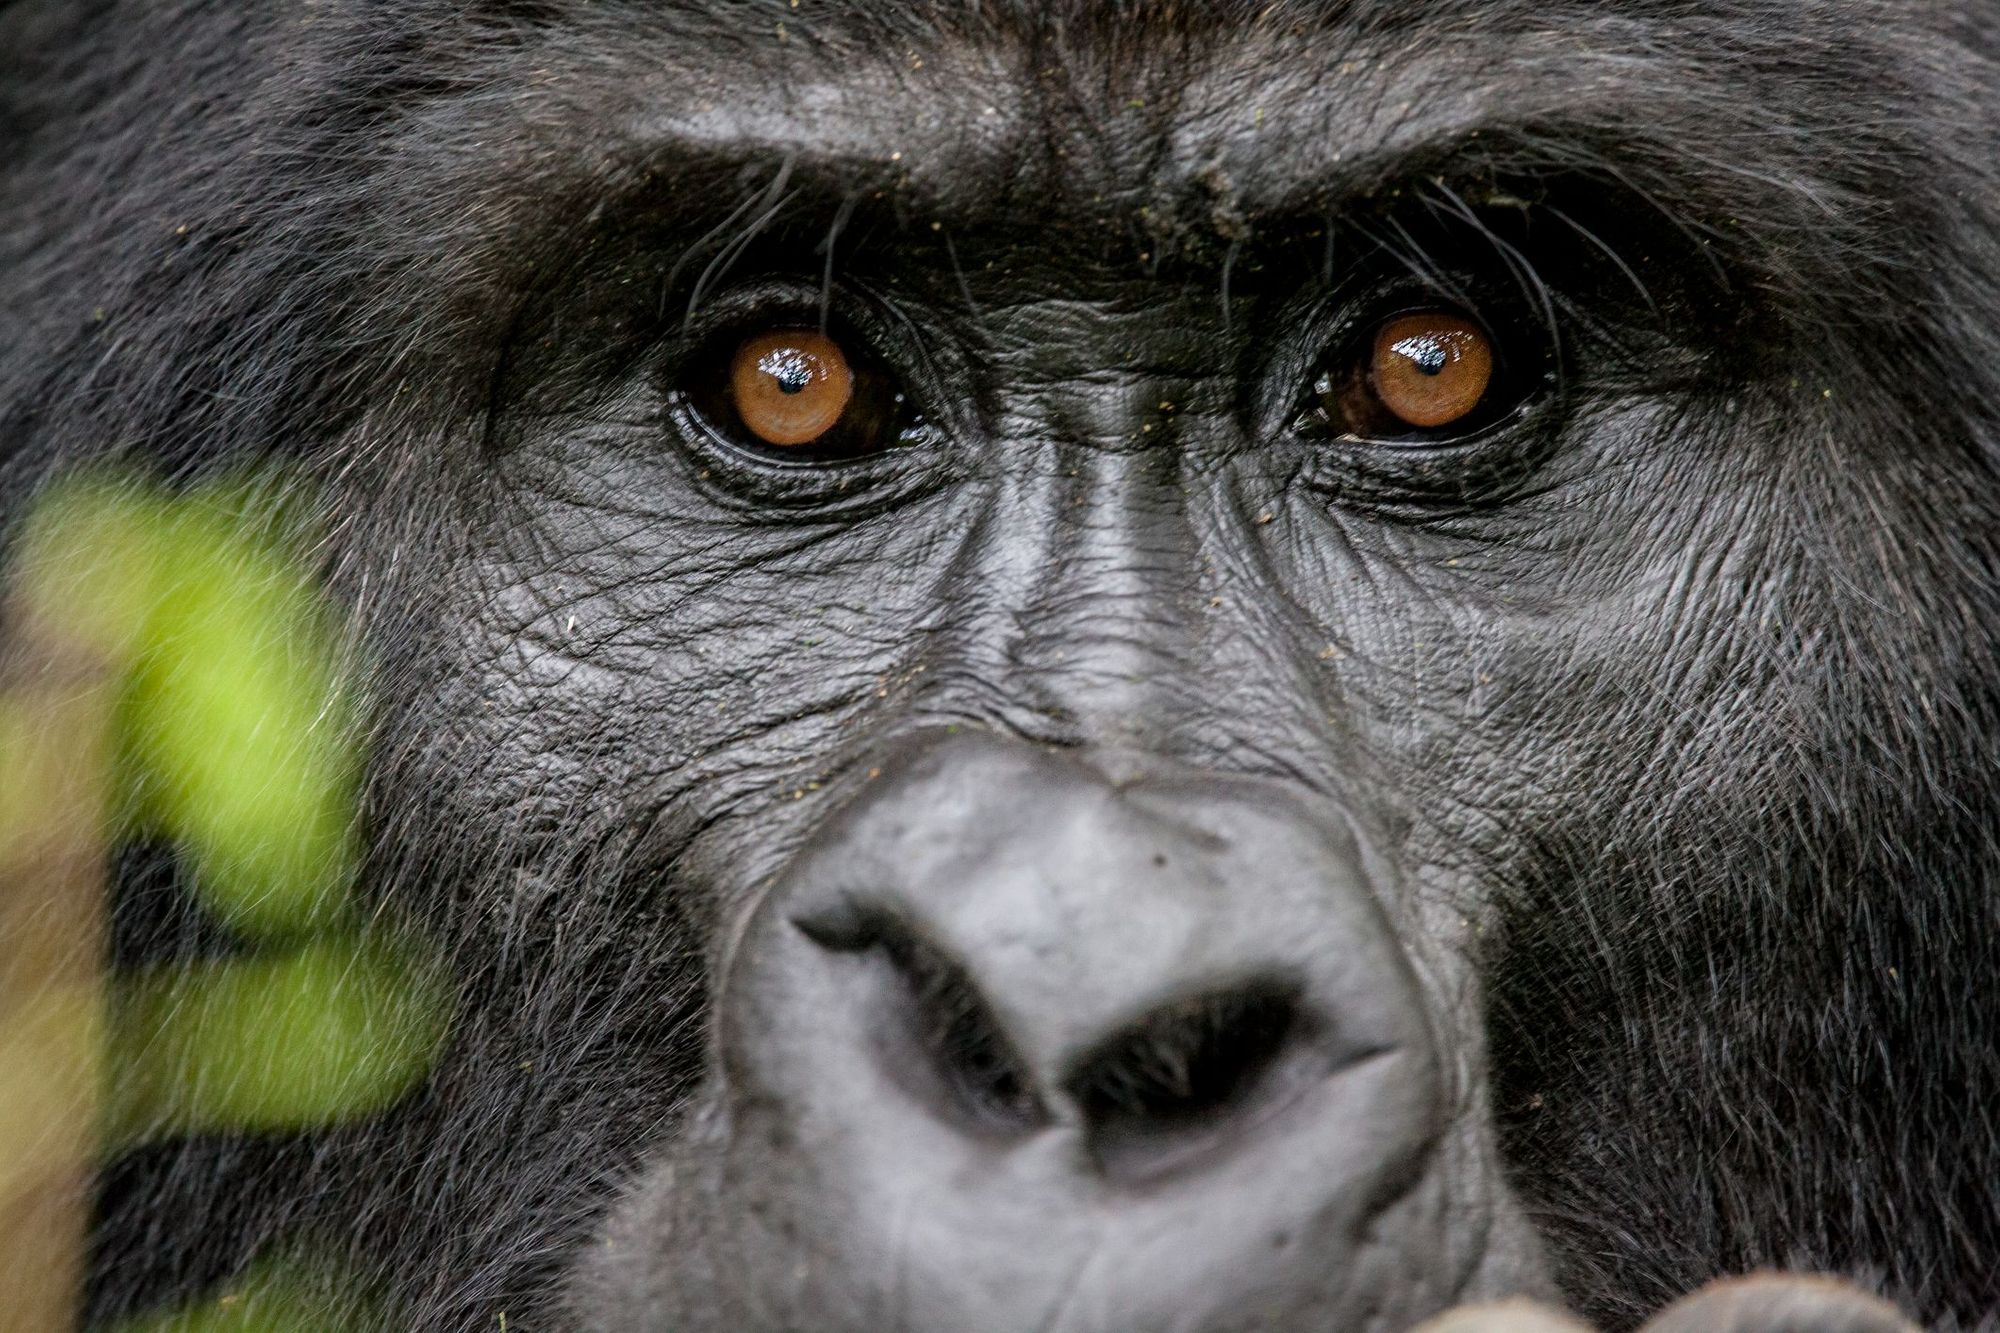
[(1124, 667)]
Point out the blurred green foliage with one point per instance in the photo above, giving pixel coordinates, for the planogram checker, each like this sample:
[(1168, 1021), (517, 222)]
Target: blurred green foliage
[(237, 740), (280, 1296), (327, 1031), (237, 728)]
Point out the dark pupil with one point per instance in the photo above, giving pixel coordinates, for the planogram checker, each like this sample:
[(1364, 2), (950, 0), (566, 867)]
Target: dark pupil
[(1427, 354), (792, 373)]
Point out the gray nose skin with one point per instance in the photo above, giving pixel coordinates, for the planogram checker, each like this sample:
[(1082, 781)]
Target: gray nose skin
[(1021, 1041)]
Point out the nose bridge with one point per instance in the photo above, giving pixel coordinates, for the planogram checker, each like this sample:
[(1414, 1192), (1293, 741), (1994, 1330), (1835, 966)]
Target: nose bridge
[(1111, 621), (1103, 631), (1091, 582)]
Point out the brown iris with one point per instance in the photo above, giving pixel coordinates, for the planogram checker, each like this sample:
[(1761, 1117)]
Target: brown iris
[(1429, 369), (790, 387)]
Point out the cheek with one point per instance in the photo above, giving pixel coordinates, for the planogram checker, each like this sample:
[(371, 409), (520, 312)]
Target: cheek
[(616, 658)]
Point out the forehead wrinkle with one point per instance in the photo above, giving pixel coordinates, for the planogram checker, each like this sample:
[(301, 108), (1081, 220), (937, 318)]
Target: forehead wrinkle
[(966, 126), (1282, 124), (998, 124), (944, 131)]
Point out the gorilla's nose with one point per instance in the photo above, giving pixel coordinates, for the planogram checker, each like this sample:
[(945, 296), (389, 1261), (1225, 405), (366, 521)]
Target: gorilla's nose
[(1033, 1039), (1173, 1066), (1079, 958)]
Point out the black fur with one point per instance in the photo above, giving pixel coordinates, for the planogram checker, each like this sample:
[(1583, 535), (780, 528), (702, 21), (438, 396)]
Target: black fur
[(1688, 700)]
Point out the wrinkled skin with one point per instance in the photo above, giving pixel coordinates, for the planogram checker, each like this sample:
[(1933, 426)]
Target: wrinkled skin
[(1575, 836)]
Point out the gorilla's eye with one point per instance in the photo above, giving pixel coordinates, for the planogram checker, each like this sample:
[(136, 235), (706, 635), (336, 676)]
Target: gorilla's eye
[(1427, 374), (798, 394), (1430, 369), (790, 388)]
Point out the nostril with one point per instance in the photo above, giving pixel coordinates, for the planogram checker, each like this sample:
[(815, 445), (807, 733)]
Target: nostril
[(963, 1037), (941, 1013), (1169, 1086)]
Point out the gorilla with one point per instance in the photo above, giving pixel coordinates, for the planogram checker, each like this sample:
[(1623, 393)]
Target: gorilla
[(1119, 665)]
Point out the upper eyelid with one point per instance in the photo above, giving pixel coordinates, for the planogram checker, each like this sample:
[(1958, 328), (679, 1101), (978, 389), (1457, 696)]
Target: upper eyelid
[(858, 319), (771, 303)]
